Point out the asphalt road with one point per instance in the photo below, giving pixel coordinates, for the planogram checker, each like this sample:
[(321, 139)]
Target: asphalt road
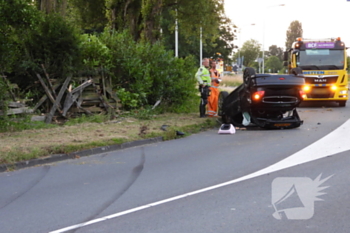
[(202, 183)]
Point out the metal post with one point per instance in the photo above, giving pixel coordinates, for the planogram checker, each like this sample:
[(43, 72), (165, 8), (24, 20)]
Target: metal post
[(201, 47), (263, 48), (176, 36), (239, 51)]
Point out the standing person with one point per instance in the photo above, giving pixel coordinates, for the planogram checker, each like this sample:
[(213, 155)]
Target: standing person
[(204, 81), (214, 90)]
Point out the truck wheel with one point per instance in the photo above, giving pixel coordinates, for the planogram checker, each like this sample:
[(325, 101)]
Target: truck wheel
[(222, 96), (297, 71), (342, 103), (248, 74)]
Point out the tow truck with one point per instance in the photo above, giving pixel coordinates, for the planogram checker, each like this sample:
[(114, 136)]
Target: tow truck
[(323, 62)]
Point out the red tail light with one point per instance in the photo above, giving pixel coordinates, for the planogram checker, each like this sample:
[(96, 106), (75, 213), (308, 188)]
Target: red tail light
[(302, 94), (258, 95)]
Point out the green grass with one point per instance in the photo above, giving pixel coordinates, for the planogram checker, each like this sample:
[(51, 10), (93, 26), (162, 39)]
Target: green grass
[(13, 124)]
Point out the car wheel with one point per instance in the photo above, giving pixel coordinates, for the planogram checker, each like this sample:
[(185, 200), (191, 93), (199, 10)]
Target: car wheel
[(222, 96), (247, 75)]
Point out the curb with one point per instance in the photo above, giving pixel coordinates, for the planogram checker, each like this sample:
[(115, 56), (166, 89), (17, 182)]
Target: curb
[(78, 154)]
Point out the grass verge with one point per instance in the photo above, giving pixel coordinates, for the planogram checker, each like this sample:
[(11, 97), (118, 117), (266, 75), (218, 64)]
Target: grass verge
[(36, 143)]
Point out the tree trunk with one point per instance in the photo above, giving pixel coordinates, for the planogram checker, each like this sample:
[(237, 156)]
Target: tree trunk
[(151, 10), (49, 6)]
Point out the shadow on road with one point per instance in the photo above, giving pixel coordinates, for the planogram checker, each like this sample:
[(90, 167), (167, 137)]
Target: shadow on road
[(318, 104)]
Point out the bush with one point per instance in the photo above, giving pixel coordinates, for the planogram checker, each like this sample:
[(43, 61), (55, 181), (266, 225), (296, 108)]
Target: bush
[(56, 45), (3, 92), (149, 73), (53, 43), (17, 18), (96, 56)]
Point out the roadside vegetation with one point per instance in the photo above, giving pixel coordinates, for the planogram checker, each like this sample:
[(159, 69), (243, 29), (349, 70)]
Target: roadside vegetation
[(96, 131), (130, 44), (25, 139)]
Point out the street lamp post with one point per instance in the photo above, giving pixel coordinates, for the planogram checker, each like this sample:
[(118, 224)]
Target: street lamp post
[(176, 35), (239, 50), (263, 44), (200, 47)]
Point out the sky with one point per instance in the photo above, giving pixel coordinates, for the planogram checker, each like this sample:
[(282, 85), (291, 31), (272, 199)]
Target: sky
[(319, 19)]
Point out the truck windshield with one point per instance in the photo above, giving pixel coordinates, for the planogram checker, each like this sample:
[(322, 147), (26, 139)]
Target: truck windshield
[(321, 59)]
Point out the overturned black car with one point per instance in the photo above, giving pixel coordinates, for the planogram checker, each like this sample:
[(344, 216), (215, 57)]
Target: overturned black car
[(264, 100)]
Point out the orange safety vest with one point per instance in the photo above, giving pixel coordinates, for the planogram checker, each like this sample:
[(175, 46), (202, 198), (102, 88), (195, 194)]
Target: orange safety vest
[(214, 96)]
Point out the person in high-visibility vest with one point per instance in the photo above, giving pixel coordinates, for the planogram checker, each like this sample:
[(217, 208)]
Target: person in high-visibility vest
[(203, 78), (214, 90)]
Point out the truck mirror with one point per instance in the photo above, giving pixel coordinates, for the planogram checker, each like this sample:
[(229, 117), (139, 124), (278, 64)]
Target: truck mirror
[(285, 56)]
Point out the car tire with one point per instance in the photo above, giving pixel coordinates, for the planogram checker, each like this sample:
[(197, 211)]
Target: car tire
[(222, 96), (247, 75)]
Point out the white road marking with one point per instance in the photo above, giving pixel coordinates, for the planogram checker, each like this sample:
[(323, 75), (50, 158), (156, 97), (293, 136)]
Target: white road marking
[(333, 143)]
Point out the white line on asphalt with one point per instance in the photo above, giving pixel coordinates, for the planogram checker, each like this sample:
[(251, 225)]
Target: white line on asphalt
[(333, 143)]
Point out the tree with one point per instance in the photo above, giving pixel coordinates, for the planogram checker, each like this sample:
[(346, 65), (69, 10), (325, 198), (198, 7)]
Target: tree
[(144, 17), (218, 39), (294, 31), (52, 6), (205, 14), (17, 19), (276, 51), (89, 15), (274, 64), (125, 14), (192, 16), (250, 50), (224, 43)]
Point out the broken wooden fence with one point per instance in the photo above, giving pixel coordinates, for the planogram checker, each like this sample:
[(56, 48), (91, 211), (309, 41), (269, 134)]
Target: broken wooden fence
[(93, 95)]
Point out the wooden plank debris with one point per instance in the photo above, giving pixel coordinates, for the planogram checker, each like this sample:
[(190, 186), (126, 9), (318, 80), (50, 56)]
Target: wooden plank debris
[(16, 105), (48, 81), (43, 99), (12, 111), (38, 118), (69, 101), (93, 95), (59, 97), (9, 88), (82, 86), (73, 95), (47, 91)]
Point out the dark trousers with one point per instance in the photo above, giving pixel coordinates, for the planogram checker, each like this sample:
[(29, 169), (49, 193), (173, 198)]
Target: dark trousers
[(202, 107), (205, 92)]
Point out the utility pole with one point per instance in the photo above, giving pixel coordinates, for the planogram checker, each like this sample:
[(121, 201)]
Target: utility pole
[(200, 47), (176, 35)]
